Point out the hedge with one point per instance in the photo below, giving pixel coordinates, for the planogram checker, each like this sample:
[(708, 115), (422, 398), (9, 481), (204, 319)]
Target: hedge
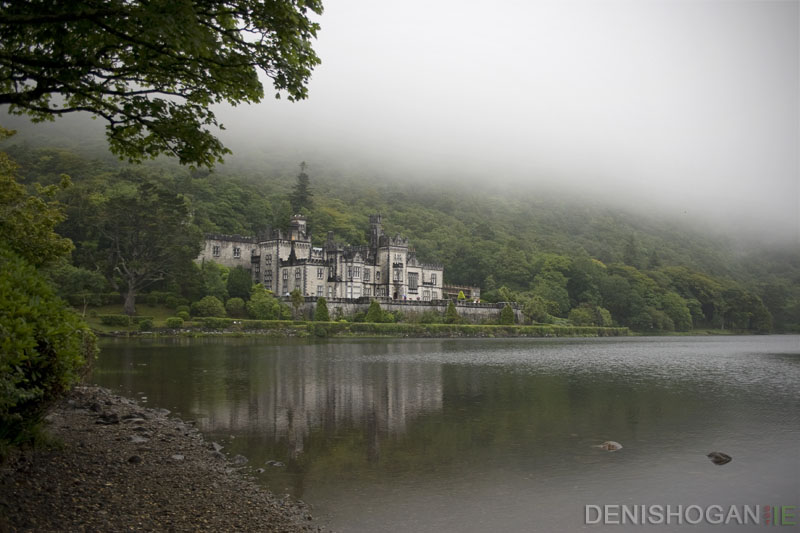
[(115, 320), (323, 329)]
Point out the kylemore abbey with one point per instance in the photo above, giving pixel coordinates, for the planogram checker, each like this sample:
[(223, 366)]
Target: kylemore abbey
[(386, 268)]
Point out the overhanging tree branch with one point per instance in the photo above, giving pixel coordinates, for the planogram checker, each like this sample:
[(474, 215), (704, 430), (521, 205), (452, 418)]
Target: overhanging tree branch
[(151, 68)]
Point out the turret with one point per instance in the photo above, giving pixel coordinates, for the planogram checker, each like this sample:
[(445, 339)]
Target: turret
[(297, 228), (375, 231)]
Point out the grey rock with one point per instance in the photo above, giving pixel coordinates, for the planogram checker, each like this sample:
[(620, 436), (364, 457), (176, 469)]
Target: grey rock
[(719, 458), (138, 439), (239, 460), (178, 457)]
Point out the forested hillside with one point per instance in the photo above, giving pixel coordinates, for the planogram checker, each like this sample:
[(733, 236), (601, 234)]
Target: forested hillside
[(558, 257)]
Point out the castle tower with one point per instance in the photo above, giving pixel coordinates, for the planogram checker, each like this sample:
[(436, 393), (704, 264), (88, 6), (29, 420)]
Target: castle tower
[(375, 231), (297, 228)]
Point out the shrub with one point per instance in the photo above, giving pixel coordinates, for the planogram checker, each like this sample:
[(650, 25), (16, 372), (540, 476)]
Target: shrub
[(145, 325), (374, 313), (507, 315), (263, 305), (151, 299), (321, 312), (174, 322), (235, 307), (44, 347), (182, 308), (451, 316), (171, 301), (184, 315), (208, 306), (138, 319), (115, 320)]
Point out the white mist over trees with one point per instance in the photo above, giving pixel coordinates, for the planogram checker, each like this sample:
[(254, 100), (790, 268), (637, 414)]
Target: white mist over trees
[(687, 108)]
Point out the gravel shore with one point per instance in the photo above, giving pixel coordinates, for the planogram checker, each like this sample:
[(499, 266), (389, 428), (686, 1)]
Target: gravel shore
[(123, 467)]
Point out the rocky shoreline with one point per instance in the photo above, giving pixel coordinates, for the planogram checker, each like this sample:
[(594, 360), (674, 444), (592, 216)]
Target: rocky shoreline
[(122, 467)]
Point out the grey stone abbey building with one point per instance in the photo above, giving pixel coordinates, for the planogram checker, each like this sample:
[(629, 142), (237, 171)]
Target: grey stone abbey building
[(387, 268)]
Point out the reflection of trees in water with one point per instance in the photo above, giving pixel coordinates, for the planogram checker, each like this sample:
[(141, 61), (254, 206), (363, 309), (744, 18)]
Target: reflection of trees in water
[(286, 397)]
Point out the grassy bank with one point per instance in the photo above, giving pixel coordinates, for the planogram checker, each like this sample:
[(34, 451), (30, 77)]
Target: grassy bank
[(287, 328)]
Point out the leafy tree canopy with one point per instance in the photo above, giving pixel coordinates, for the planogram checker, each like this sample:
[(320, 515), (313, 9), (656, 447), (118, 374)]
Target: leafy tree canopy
[(27, 222), (152, 69), (263, 305), (239, 283), (547, 258), (142, 238)]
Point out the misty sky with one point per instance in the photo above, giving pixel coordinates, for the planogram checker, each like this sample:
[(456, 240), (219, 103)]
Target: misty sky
[(690, 105), (693, 103)]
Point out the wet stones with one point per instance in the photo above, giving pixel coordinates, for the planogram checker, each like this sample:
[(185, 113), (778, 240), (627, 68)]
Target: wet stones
[(107, 419)]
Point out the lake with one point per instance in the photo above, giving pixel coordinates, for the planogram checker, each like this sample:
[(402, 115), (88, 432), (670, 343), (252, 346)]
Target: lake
[(492, 434)]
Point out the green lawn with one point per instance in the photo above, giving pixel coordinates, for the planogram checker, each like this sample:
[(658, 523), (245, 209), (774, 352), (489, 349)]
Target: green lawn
[(159, 313)]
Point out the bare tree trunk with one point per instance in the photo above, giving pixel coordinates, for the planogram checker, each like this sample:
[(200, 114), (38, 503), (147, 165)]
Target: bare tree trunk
[(130, 302)]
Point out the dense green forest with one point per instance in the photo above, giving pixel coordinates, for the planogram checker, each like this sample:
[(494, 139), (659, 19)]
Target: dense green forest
[(560, 259)]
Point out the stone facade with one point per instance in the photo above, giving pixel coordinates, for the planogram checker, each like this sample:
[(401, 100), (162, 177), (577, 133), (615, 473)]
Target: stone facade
[(386, 269)]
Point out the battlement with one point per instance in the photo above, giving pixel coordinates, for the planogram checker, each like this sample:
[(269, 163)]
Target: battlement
[(230, 238)]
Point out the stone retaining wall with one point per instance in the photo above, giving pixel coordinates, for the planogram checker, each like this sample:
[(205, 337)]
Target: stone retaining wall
[(473, 313)]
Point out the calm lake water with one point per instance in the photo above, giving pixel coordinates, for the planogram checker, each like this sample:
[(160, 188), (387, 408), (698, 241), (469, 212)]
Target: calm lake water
[(489, 435)]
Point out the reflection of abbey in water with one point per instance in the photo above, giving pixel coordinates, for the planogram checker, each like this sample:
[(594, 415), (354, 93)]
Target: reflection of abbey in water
[(385, 268), (295, 395)]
